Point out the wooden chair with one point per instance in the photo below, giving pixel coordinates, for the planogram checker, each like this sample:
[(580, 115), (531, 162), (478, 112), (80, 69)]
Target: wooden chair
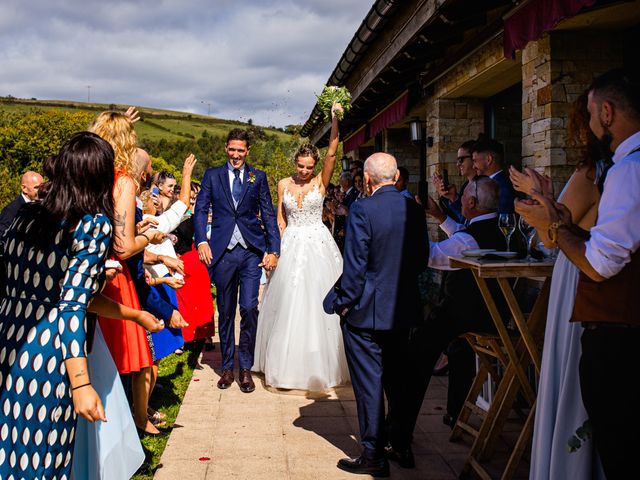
[(488, 348)]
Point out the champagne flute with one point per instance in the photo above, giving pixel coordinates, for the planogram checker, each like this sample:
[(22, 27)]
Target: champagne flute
[(507, 225), (529, 233)]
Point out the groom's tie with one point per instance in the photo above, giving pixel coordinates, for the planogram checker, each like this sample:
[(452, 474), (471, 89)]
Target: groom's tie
[(237, 186)]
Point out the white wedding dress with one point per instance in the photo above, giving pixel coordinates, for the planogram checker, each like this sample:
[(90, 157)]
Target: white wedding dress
[(299, 346)]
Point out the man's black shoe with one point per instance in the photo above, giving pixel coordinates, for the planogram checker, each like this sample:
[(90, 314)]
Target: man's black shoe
[(403, 457), (365, 466)]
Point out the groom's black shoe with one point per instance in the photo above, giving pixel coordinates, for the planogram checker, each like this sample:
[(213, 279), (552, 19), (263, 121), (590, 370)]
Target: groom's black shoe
[(402, 456), (365, 466), (246, 382), (226, 379)]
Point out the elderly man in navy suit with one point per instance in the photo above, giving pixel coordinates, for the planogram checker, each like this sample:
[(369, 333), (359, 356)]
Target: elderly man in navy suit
[(377, 298), (244, 237)]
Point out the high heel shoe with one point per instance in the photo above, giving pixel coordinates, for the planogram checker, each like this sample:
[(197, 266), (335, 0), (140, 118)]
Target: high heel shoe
[(143, 433)]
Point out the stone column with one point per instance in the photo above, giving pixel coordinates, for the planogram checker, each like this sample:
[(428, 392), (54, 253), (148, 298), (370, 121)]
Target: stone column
[(555, 70)]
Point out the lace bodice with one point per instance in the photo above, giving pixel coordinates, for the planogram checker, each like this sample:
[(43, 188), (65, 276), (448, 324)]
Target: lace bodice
[(308, 213)]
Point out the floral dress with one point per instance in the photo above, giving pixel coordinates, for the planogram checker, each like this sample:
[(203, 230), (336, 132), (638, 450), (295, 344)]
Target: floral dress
[(42, 324)]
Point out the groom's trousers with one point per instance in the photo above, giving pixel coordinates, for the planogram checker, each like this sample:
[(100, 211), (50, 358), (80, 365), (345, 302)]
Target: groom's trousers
[(237, 268), (377, 366)]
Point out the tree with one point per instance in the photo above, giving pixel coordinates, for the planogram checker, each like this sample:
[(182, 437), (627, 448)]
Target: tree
[(26, 140)]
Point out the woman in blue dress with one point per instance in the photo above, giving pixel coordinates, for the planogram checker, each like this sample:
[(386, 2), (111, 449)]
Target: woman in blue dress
[(54, 255)]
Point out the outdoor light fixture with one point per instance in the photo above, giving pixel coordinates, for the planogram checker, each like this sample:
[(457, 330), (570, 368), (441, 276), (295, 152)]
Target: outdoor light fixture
[(415, 127), (345, 163)]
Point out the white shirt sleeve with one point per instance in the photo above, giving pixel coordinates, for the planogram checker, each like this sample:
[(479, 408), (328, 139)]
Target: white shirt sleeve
[(170, 219), (450, 226), (439, 252), (616, 235)]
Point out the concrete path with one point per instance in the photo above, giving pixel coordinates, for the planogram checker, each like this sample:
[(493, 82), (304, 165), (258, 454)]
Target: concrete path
[(227, 434)]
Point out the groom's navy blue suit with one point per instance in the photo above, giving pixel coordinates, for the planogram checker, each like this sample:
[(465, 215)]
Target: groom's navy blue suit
[(236, 263), (377, 297)]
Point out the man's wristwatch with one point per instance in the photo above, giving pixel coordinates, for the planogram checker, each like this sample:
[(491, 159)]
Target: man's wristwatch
[(277, 255)]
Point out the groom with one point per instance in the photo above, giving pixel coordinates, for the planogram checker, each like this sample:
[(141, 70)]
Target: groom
[(377, 298), (244, 237)]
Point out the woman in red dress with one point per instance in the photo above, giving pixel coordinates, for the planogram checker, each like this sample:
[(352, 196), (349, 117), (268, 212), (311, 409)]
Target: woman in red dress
[(194, 299), (127, 341)]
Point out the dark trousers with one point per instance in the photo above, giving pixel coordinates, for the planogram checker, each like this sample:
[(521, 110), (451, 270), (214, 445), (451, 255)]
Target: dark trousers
[(610, 386), (377, 366), (426, 344), (237, 268)]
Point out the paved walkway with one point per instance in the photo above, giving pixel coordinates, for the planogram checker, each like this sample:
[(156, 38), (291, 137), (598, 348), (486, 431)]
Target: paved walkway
[(227, 434)]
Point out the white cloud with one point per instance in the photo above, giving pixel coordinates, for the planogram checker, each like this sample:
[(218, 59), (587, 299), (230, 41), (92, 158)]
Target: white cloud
[(259, 59)]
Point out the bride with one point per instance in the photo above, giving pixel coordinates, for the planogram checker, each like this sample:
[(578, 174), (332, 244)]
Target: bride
[(298, 346)]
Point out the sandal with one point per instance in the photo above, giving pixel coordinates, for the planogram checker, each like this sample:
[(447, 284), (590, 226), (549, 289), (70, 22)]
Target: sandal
[(156, 416)]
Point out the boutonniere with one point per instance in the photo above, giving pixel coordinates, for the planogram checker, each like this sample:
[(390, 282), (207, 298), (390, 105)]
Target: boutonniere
[(252, 177)]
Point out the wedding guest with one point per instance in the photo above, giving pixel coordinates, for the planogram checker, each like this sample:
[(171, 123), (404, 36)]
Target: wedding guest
[(450, 198), (488, 159), (162, 306), (127, 341), (356, 166), (378, 301), (29, 184), (607, 257), (559, 407), (194, 300), (358, 184), (402, 182), (346, 187), (64, 239), (462, 308), (166, 183)]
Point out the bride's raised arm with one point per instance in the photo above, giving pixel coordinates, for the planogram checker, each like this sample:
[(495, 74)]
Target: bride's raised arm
[(334, 139), (281, 215)]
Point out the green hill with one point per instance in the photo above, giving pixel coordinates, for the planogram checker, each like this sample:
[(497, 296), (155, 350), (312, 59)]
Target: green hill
[(155, 124)]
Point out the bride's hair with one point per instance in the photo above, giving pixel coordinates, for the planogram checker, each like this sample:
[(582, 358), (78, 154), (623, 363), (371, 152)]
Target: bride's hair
[(307, 150)]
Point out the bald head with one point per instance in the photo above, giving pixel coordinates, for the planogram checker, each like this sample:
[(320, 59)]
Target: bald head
[(142, 164), (29, 183), (380, 169), (480, 197)]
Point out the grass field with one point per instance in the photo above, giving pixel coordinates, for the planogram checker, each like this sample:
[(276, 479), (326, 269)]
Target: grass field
[(155, 124), (174, 375)]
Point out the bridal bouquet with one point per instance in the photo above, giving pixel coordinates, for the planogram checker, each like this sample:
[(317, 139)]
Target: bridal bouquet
[(331, 95)]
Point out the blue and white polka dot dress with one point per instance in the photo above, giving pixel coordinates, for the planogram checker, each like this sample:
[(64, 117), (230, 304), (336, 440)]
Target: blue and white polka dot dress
[(42, 323)]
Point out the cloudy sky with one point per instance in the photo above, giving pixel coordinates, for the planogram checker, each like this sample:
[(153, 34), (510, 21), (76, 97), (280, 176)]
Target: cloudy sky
[(259, 59)]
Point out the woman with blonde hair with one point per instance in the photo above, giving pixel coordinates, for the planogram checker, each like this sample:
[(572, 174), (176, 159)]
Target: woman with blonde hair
[(127, 341)]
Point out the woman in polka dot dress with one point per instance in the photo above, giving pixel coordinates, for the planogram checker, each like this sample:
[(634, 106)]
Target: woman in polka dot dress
[(53, 258)]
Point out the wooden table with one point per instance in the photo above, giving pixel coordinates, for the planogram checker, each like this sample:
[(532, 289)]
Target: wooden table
[(526, 350)]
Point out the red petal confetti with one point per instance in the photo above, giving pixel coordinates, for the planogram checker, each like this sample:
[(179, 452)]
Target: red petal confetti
[(204, 459), (196, 379)]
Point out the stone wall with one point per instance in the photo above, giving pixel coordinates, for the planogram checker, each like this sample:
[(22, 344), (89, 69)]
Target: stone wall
[(397, 142), (555, 70)]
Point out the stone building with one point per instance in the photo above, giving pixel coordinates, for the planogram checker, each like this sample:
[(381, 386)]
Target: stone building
[(508, 69)]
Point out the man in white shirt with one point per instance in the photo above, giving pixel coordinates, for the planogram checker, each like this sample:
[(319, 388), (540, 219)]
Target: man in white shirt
[(462, 307), (607, 301)]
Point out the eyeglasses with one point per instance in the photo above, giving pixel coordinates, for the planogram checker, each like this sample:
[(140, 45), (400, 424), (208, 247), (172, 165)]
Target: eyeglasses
[(463, 158)]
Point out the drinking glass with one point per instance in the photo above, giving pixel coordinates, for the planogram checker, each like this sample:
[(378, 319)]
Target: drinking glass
[(507, 225), (529, 233)]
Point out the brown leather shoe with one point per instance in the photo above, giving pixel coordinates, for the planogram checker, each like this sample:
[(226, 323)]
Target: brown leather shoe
[(226, 379), (246, 382)]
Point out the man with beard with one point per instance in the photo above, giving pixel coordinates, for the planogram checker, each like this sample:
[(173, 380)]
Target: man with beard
[(607, 301)]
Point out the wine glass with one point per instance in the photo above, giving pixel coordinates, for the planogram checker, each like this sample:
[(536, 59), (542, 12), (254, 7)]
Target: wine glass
[(529, 233), (507, 225)]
